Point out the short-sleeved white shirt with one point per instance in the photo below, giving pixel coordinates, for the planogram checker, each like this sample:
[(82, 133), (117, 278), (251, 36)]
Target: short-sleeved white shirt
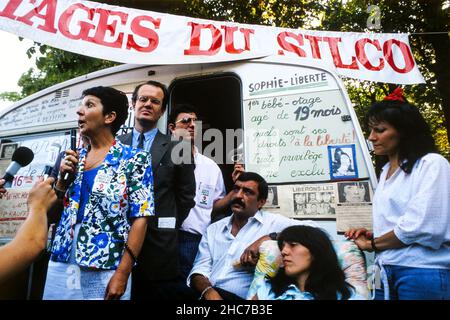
[(209, 188)]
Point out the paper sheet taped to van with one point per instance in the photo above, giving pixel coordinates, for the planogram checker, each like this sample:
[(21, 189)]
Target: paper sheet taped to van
[(298, 127)]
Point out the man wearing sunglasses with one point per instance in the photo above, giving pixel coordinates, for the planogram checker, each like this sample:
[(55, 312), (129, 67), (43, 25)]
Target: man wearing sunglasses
[(155, 275), (210, 189)]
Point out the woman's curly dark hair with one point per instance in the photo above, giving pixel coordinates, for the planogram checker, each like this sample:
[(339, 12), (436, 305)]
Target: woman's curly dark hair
[(415, 139), (326, 278)]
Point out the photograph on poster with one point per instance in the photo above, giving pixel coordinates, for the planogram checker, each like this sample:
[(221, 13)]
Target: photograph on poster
[(342, 161), (315, 201), (354, 192), (272, 197), (7, 150)]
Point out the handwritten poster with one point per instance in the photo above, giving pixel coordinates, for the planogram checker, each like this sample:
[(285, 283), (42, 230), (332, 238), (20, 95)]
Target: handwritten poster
[(50, 109), (27, 176), (289, 125), (13, 212)]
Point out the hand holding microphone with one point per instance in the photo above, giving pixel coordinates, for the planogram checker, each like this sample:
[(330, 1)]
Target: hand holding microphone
[(51, 159), (20, 158), (73, 147), (67, 168)]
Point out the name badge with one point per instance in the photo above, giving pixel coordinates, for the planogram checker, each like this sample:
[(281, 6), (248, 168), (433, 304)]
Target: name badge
[(101, 183), (166, 223), (204, 196)]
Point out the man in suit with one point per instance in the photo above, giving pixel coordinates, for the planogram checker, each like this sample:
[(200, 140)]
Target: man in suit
[(155, 275)]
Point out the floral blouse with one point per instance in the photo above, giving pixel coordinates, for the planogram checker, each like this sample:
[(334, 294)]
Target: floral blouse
[(123, 189)]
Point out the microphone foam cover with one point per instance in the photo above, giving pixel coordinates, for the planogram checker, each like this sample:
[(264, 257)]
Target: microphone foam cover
[(23, 156)]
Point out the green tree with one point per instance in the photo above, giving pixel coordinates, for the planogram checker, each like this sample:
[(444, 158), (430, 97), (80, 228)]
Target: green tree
[(55, 66), (428, 24)]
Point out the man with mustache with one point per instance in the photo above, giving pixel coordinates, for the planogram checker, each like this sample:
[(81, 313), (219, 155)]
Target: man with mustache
[(216, 274)]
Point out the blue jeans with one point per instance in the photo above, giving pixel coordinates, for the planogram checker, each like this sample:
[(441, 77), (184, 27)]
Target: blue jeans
[(407, 283)]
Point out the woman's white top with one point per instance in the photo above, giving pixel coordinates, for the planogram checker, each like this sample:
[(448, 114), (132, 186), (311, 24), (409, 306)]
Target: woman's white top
[(416, 207)]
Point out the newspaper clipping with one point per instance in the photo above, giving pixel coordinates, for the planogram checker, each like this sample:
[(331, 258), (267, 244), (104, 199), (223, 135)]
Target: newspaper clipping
[(354, 209), (313, 201), (349, 202)]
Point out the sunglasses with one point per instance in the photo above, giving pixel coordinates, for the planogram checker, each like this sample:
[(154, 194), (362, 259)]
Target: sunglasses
[(186, 120)]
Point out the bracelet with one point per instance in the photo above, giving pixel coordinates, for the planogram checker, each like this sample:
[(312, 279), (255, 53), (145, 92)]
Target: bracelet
[(204, 291), (372, 243), (130, 252), (59, 193)]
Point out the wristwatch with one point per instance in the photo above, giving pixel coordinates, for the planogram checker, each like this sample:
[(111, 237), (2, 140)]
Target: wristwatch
[(273, 235)]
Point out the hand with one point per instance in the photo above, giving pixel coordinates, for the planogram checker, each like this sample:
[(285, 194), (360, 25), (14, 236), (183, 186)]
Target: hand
[(2, 189), (354, 233), (363, 243), (250, 255), (116, 286), (68, 165), (212, 294), (42, 196), (238, 169)]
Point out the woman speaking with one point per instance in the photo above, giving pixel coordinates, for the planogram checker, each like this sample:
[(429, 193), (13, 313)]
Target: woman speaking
[(107, 199)]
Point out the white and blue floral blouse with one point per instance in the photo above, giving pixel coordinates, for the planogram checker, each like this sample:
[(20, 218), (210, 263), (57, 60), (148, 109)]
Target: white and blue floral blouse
[(123, 189)]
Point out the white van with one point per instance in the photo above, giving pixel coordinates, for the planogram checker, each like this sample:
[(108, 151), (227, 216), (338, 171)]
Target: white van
[(300, 130)]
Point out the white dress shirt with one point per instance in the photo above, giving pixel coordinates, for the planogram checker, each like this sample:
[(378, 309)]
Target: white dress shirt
[(219, 249)]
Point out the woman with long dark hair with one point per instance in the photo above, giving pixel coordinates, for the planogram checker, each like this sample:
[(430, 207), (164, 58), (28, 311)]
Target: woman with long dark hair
[(310, 269), (411, 217)]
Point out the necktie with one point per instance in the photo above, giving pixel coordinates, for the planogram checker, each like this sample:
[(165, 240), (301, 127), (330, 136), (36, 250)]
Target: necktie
[(141, 141)]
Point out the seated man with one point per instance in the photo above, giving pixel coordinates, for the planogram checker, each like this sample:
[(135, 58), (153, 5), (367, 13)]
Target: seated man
[(215, 274)]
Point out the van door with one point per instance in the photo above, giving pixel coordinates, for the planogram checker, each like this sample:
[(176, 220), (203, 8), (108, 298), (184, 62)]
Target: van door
[(302, 135)]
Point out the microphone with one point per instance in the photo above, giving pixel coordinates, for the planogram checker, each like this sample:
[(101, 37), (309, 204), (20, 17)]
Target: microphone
[(51, 159), (20, 158), (73, 146)]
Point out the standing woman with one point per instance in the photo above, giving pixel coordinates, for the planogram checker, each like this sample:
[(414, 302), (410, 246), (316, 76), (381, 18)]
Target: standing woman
[(411, 217), (106, 205)]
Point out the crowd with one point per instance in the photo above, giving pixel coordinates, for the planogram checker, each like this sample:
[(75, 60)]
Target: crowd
[(135, 222)]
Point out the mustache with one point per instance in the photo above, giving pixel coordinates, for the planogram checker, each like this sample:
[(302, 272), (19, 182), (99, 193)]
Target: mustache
[(238, 201)]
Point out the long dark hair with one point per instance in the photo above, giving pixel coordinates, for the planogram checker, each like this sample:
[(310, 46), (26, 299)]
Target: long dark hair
[(415, 139), (326, 277)]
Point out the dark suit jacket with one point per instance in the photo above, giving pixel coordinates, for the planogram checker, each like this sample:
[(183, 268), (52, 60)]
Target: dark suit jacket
[(174, 193)]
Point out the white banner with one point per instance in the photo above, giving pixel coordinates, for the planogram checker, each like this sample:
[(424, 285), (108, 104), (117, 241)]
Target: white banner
[(145, 37)]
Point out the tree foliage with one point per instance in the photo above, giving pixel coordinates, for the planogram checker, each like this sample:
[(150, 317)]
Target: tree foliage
[(55, 66)]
